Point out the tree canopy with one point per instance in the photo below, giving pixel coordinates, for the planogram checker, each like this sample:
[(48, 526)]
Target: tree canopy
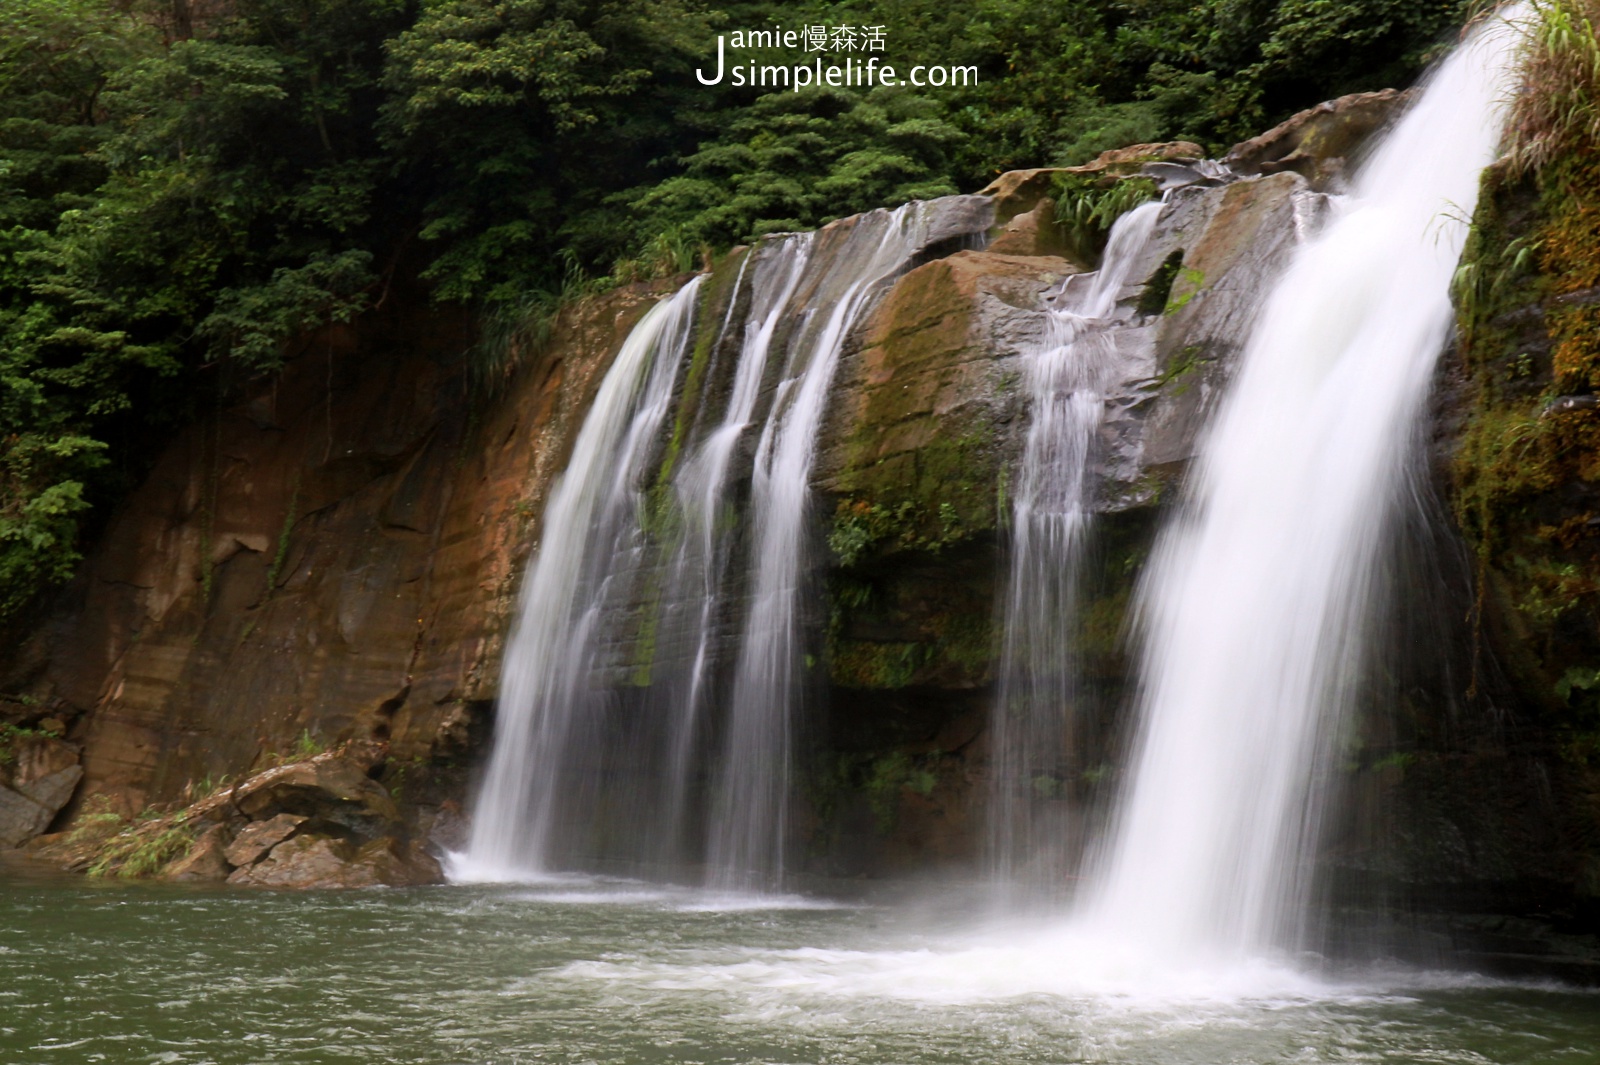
[(182, 196)]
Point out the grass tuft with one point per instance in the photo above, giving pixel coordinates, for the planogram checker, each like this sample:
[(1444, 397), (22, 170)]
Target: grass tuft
[(1557, 112)]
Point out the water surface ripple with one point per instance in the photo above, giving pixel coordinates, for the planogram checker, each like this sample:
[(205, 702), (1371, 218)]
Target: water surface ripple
[(585, 970)]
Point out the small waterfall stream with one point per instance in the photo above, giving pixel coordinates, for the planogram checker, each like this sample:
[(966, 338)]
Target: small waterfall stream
[(696, 604), (749, 826), (1065, 382), (591, 520), (1256, 604)]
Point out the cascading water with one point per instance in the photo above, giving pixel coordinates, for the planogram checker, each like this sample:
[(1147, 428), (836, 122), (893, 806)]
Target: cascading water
[(1065, 379), (697, 597), (748, 832), (1256, 604), (591, 520), (660, 651)]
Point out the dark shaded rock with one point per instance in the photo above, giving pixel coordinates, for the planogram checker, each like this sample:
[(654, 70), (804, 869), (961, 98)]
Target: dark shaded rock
[(328, 788)]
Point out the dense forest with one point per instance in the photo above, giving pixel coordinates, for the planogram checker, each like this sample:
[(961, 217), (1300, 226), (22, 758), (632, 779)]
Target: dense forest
[(188, 185)]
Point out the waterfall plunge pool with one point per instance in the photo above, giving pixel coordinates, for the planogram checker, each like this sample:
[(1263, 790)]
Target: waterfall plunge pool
[(593, 970)]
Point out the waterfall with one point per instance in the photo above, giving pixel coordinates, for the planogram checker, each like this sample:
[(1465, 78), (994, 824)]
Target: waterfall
[(591, 520), (654, 681), (749, 827), (1257, 600), (1065, 378)]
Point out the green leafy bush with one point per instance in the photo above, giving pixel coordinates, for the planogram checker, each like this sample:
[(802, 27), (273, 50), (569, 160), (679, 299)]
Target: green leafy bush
[(182, 199)]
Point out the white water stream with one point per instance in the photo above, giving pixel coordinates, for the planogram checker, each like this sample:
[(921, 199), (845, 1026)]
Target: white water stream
[(1255, 608), (749, 826), (1066, 378), (700, 569), (592, 517)]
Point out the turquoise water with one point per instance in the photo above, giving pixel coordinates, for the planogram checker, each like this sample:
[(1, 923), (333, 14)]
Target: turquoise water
[(585, 970)]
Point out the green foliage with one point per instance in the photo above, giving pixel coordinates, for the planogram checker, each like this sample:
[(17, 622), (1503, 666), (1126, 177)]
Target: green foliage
[(307, 746), (1577, 678), (166, 210), (860, 528), (1484, 276), (181, 208), (1558, 113), (888, 778), (143, 848), (797, 160), (251, 324), (280, 556), (518, 115), (10, 735), (97, 821), (1528, 463), (1062, 82), (1181, 370), (516, 329), (196, 790), (1087, 206)]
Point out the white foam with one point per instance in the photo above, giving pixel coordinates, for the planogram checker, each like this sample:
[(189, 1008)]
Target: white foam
[(579, 889), (1081, 975)]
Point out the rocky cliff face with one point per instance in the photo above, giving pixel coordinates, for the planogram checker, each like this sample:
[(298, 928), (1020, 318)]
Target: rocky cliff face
[(1506, 782), (332, 558), (916, 457)]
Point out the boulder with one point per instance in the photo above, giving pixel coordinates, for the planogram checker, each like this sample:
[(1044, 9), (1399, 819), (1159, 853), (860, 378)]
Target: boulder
[(396, 864), (1018, 191), (21, 818), (327, 788), (316, 861), (1032, 233), (43, 774), (259, 837), (206, 862), (1318, 143), (302, 862)]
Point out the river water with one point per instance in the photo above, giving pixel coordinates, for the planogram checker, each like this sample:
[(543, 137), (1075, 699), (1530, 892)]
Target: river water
[(585, 970)]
